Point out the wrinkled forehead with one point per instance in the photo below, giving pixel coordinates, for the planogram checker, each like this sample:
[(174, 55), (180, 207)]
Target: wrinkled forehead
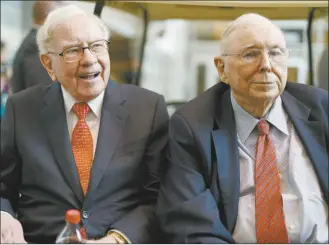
[(77, 30), (260, 35)]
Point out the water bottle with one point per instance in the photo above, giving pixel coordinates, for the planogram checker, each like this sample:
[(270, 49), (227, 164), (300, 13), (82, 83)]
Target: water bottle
[(71, 232)]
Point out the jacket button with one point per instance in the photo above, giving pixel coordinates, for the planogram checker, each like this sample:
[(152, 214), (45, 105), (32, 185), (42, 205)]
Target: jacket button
[(85, 214)]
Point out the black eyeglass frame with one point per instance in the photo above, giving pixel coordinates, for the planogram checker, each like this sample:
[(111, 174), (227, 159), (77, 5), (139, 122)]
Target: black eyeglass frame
[(82, 48)]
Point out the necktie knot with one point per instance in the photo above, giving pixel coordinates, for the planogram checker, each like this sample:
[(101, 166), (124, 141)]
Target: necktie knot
[(263, 127), (81, 110)]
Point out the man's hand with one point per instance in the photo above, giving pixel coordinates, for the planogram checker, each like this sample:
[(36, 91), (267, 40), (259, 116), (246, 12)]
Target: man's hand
[(107, 239), (11, 230)]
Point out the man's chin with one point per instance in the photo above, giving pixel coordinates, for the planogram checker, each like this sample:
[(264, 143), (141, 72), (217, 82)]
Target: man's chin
[(88, 95), (261, 95)]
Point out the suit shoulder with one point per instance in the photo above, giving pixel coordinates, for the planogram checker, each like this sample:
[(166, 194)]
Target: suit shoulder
[(139, 101), (309, 95), (134, 92), (28, 95), (298, 87), (202, 105)]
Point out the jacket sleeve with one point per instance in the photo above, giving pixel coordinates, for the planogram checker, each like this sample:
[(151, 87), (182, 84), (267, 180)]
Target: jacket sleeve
[(186, 209), (10, 164), (138, 225)]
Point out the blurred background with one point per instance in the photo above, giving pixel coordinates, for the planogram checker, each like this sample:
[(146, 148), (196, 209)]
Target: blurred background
[(169, 46)]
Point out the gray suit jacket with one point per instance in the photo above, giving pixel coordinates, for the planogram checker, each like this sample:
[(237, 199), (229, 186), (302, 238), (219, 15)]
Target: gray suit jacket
[(27, 68), (39, 180)]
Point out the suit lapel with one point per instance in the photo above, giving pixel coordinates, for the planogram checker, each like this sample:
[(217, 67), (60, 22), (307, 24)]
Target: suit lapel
[(112, 123), (312, 135), (226, 148), (54, 123)]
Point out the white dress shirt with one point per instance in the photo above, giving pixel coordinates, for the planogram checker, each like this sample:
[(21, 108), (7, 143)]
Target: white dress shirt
[(93, 118), (305, 210)]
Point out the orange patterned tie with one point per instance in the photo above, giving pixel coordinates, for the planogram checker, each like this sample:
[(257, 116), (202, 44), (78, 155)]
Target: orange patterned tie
[(82, 144), (270, 223)]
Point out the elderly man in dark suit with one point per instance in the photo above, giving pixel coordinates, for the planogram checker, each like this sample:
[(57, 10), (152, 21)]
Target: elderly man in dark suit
[(83, 142), (27, 68), (248, 159)]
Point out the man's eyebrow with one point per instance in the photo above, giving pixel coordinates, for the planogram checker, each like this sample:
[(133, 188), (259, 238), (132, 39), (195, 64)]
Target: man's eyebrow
[(259, 45), (252, 45), (70, 45), (275, 46), (77, 44)]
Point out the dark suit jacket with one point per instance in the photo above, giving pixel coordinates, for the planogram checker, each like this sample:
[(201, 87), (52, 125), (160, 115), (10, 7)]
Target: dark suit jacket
[(37, 163), (27, 68), (198, 198)]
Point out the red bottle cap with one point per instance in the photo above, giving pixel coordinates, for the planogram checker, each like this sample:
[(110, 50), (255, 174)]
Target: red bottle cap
[(73, 216)]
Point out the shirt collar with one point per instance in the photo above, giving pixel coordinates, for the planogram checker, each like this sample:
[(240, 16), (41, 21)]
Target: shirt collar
[(278, 117), (245, 123), (94, 104)]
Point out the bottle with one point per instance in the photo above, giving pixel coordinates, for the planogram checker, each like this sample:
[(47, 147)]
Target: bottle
[(71, 232)]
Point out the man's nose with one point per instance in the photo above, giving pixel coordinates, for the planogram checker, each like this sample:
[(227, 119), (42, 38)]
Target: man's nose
[(88, 56), (265, 62)]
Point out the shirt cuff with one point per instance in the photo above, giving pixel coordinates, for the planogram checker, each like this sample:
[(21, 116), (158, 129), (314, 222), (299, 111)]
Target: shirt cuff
[(121, 234)]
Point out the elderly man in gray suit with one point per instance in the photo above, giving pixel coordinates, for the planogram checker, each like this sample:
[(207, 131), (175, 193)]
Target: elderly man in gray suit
[(84, 142)]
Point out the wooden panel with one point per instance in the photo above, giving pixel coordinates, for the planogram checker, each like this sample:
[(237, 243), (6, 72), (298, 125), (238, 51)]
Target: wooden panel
[(121, 58), (230, 11), (248, 4), (326, 37), (292, 74)]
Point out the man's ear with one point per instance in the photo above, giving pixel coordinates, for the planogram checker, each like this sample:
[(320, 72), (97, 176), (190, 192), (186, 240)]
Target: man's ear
[(220, 65), (47, 64)]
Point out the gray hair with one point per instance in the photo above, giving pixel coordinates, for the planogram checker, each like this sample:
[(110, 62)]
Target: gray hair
[(58, 16), (250, 18)]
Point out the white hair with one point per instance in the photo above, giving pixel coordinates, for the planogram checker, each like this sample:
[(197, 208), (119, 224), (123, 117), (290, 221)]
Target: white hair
[(245, 19), (58, 16)]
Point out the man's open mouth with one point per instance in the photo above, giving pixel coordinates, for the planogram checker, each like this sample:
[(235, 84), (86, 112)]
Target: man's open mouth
[(90, 75)]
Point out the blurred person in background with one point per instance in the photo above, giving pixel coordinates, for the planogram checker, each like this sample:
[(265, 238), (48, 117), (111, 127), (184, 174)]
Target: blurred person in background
[(27, 68), (248, 158), (4, 79), (83, 142)]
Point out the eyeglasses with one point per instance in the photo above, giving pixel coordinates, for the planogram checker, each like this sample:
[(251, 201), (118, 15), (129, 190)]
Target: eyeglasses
[(254, 55), (75, 53)]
